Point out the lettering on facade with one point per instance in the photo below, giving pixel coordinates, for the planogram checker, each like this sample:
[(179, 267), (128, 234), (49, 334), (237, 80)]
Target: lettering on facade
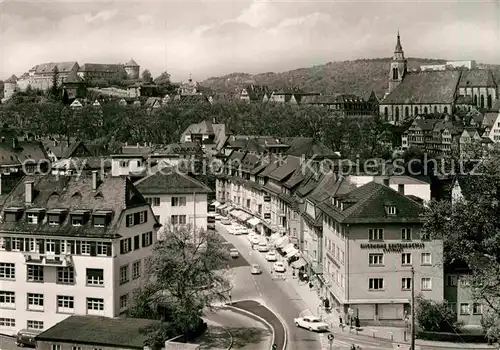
[(267, 216), (393, 247), (267, 198)]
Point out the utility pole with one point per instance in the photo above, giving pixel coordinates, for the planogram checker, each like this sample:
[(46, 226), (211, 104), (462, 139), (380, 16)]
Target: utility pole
[(412, 308)]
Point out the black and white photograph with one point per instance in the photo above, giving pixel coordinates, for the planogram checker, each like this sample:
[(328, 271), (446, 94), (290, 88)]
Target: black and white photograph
[(250, 174)]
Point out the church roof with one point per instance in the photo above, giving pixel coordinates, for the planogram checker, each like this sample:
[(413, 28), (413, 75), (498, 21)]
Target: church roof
[(398, 48), (477, 77), (425, 87)]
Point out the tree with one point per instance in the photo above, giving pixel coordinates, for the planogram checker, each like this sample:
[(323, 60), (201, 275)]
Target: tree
[(162, 79), (470, 228), (187, 274), (55, 89), (146, 76), (434, 317)]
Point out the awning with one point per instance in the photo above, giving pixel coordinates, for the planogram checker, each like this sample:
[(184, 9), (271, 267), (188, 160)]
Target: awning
[(274, 237), (216, 204), (234, 212), (292, 252), (253, 221), (297, 264), (288, 248), (223, 206), (244, 216), (282, 242)]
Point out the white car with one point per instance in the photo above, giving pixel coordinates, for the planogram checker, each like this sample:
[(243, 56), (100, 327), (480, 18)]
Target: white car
[(225, 221), (262, 247), (271, 256), (279, 267), (218, 217), (255, 270), (312, 323), (233, 252), (255, 240)]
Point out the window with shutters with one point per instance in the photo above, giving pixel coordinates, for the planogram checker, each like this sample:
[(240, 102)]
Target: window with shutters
[(95, 277), (7, 271), (85, 248), (7, 300), (130, 220), (50, 246), (125, 245), (99, 221), (34, 273), (103, 249), (142, 217), (136, 269), (32, 245), (65, 275), (137, 242), (16, 244), (124, 276), (147, 239)]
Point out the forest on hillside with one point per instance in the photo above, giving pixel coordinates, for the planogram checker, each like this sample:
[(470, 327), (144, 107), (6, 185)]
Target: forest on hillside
[(359, 77)]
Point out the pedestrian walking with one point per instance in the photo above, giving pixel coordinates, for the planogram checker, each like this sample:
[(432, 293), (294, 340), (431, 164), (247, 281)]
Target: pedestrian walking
[(340, 322)]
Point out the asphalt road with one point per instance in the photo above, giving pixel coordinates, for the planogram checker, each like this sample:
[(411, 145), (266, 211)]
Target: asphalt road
[(8, 343), (273, 294)]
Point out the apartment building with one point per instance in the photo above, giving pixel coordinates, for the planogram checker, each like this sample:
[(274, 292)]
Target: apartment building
[(176, 198), (372, 239), (71, 245)]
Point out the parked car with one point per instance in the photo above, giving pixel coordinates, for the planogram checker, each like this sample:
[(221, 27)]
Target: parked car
[(311, 323), (233, 252), (255, 270), (243, 230), (225, 221), (255, 240), (218, 217), (271, 256), (262, 247), (235, 230), (26, 338), (279, 267)]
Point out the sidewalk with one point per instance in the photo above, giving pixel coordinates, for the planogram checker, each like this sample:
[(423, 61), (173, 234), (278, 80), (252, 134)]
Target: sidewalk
[(394, 334)]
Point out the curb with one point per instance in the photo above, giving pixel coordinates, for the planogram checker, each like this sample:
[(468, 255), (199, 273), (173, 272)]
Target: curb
[(285, 341), (7, 335), (255, 317), (231, 339)]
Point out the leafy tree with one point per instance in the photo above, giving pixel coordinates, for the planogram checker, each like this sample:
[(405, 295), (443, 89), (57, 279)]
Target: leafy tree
[(434, 317), (55, 89), (146, 76), (470, 228), (162, 79), (187, 274)]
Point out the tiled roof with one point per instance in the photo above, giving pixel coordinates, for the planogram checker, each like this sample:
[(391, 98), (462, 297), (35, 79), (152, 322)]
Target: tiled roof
[(85, 163), (285, 169), (131, 63), (308, 184), (100, 331), (12, 79), (74, 193), (62, 67), (167, 180), (24, 151), (73, 78), (249, 162), (63, 149), (326, 187), (204, 127), (477, 77), (425, 87), (367, 204), (307, 147), (99, 67), (297, 177), (272, 165)]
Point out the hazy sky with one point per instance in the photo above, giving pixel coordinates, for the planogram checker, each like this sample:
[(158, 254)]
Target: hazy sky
[(209, 38)]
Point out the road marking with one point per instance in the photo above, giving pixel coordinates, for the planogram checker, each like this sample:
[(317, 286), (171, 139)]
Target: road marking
[(257, 286)]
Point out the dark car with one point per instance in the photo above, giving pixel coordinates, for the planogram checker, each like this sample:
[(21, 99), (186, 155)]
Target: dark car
[(26, 338)]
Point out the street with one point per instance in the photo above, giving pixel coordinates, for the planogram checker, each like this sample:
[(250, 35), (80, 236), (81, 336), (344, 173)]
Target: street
[(274, 292)]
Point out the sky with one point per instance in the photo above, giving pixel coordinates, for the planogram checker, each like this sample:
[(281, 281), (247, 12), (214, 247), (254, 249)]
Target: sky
[(211, 38)]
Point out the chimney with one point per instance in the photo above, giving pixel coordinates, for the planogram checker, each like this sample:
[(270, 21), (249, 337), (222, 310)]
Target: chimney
[(401, 188), (94, 180), (386, 181), (28, 191), (14, 143), (126, 144)]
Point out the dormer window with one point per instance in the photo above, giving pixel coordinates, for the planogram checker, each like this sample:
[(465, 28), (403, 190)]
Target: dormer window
[(13, 214), (34, 216), (390, 210), (79, 217), (101, 218), (56, 216)]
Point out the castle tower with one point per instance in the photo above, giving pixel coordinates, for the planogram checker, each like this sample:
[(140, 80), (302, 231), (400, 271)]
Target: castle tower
[(398, 66), (132, 69), (9, 87)]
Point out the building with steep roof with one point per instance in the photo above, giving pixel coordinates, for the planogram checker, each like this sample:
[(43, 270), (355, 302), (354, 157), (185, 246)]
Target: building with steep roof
[(132, 69), (345, 104), (41, 76), (9, 87), (72, 245), (74, 87), (413, 93)]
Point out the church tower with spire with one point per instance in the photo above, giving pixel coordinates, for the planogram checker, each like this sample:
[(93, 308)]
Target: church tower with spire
[(398, 66)]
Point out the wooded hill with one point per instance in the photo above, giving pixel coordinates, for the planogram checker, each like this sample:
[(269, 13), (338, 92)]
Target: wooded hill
[(358, 77)]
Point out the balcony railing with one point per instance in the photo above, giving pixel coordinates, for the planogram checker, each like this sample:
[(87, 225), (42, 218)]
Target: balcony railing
[(61, 260)]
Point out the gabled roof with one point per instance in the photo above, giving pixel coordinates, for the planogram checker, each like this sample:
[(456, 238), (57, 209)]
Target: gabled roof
[(63, 149), (272, 165), (62, 67), (23, 151), (367, 204), (285, 169), (74, 193), (73, 78), (99, 331), (169, 181), (12, 79), (425, 87), (477, 77), (204, 127), (307, 147), (131, 63)]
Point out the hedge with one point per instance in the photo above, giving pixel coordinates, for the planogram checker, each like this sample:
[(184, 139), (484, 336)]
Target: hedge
[(453, 337)]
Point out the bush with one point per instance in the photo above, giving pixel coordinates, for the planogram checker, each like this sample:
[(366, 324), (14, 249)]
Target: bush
[(435, 317), (452, 337)]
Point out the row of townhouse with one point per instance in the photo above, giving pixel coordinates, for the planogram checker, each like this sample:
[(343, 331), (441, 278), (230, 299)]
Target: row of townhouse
[(358, 235)]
